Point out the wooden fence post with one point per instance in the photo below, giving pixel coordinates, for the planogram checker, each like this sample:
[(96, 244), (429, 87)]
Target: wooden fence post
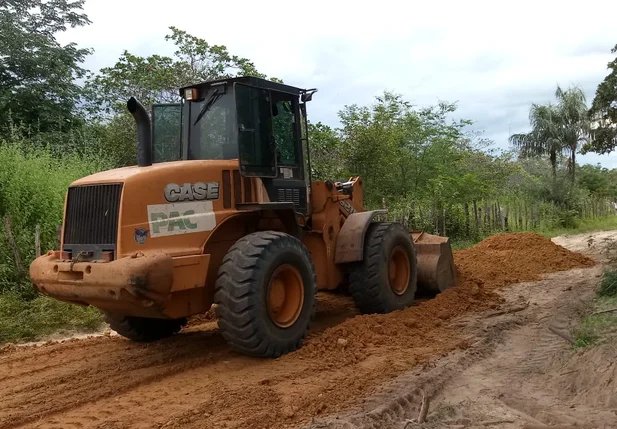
[(475, 216), (443, 220), (467, 229), (14, 248), (504, 219), (37, 240)]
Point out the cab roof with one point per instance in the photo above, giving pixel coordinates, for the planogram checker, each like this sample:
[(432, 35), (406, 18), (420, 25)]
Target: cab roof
[(249, 80)]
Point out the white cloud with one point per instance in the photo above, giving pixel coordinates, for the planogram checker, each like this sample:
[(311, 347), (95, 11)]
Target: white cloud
[(494, 58)]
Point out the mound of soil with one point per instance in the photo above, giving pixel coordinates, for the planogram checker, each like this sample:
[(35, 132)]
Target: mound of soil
[(508, 258), (499, 260)]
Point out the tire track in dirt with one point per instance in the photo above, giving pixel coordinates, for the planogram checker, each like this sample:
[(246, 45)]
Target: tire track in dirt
[(43, 394), (30, 367)]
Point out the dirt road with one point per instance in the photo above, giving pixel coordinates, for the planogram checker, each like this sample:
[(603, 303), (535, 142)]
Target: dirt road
[(194, 381)]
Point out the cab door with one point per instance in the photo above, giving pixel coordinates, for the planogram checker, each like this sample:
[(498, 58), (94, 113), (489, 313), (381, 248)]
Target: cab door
[(269, 143)]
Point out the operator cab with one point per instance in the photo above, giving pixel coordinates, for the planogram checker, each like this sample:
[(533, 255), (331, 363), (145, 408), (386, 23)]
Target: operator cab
[(256, 121)]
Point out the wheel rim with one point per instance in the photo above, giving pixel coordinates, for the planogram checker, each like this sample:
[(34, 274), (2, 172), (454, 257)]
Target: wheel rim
[(285, 296), (399, 270)]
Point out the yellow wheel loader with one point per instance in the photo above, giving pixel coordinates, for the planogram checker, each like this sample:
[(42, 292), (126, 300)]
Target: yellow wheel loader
[(221, 208)]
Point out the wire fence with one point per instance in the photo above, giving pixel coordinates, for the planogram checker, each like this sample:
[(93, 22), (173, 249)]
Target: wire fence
[(479, 218)]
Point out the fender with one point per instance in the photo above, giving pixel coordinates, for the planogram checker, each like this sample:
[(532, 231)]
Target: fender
[(350, 240)]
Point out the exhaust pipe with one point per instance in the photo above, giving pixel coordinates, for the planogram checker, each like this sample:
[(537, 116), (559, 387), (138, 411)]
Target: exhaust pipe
[(144, 132)]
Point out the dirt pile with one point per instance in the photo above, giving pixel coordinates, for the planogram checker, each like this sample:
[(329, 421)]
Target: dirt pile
[(493, 263), (508, 258)]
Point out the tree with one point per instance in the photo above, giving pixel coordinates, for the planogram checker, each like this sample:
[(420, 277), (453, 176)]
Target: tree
[(603, 113), (556, 129), (573, 123), (599, 181), (325, 152), (37, 74), (157, 78), (154, 79), (542, 139), (404, 153)]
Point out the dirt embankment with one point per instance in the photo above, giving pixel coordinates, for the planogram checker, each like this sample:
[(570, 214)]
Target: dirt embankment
[(193, 380)]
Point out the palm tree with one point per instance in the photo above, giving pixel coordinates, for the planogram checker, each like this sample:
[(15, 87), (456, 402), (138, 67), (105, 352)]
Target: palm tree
[(574, 124), (542, 139), (556, 129)]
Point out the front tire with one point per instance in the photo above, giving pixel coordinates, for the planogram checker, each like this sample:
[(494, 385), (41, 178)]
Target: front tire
[(386, 279), (265, 294), (144, 329)]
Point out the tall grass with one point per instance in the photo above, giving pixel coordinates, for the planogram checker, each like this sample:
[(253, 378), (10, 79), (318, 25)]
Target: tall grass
[(33, 184)]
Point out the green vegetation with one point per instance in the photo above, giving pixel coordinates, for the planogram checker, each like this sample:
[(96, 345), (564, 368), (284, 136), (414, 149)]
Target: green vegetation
[(601, 323), (598, 327), (608, 287), (603, 113), (28, 320), (432, 170)]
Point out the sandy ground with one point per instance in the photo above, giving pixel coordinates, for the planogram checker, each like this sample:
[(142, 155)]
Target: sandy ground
[(499, 368), (517, 372)]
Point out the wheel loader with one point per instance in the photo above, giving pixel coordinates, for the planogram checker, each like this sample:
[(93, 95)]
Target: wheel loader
[(221, 209)]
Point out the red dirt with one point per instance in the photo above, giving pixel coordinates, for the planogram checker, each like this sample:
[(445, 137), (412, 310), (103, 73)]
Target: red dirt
[(495, 262), (193, 380), (504, 259)]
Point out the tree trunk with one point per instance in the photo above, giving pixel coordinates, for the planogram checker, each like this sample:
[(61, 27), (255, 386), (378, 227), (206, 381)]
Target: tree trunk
[(506, 227), (467, 220), (553, 158), (443, 220), (573, 168), (520, 215)]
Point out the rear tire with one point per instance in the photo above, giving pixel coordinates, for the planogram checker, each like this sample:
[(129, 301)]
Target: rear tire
[(265, 294), (144, 329), (386, 279)]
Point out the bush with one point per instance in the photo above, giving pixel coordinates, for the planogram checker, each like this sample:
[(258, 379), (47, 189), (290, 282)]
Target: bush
[(34, 184), (608, 287)]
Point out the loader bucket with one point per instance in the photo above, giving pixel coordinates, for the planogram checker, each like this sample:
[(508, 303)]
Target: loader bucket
[(436, 270)]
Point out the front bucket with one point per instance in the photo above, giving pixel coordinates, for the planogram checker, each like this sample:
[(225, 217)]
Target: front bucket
[(436, 270)]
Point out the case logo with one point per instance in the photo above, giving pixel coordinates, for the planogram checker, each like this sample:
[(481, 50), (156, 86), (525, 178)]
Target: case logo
[(192, 191), (348, 207)]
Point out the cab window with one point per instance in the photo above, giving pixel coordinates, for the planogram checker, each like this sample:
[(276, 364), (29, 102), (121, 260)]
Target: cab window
[(283, 122)]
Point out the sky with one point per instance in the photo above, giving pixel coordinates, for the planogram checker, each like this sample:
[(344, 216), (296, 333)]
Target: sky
[(492, 58)]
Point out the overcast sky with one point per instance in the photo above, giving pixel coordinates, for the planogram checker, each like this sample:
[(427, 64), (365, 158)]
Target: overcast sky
[(493, 58)]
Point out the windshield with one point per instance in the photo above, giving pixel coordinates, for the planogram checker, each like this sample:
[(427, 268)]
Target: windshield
[(212, 126)]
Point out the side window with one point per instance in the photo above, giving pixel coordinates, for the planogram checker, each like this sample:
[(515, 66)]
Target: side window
[(283, 122), (257, 151), (166, 132)]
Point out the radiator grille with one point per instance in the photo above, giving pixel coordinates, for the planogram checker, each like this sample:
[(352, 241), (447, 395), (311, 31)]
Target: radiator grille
[(92, 215)]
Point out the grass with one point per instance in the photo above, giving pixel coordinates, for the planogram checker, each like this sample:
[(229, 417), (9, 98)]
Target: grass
[(35, 319), (586, 225), (608, 287), (596, 327)]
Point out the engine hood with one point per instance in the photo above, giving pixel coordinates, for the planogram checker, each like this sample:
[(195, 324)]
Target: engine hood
[(172, 171)]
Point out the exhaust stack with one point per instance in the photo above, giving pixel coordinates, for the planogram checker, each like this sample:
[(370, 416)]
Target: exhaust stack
[(144, 132)]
